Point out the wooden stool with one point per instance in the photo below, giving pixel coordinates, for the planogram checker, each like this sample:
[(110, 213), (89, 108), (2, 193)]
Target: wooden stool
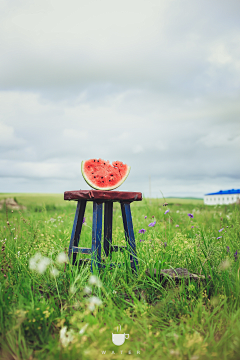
[(98, 197)]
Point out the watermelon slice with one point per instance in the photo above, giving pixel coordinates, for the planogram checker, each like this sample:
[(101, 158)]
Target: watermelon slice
[(102, 175)]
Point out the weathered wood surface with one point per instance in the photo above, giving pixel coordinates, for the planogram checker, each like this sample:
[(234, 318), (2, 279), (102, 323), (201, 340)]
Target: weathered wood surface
[(100, 195), (176, 274)]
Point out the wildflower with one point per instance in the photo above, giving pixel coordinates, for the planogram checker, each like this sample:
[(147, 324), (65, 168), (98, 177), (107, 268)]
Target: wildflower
[(142, 231), (62, 258), (152, 224), (87, 290), (84, 219), (192, 226), (166, 211), (153, 216), (190, 215), (145, 217), (219, 237), (225, 265), (165, 244), (228, 250), (221, 230), (177, 225), (94, 300), (54, 272), (93, 280), (83, 329), (236, 255), (141, 240), (66, 336), (39, 263), (114, 292)]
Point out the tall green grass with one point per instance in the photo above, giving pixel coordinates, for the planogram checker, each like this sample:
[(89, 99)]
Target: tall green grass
[(164, 320)]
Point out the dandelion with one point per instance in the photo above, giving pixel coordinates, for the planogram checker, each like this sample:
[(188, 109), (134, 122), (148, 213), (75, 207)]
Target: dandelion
[(39, 263), (142, 231), (177, 225), (190, 215), (221, 230), (66, 336), (54, 272), (62, 258), (94, 300), (87, 290), (93, 280), (166, 211), (219, 237), (152, 224)]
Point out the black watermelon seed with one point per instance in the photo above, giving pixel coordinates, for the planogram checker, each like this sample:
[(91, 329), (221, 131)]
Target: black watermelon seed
[(94, 176), (94, 160), (101, 177)]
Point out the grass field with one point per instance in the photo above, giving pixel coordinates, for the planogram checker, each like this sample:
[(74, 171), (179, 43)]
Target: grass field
[(50, 309)]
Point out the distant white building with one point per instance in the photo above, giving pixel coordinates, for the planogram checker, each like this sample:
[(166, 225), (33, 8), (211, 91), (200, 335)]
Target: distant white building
[(223, 197)]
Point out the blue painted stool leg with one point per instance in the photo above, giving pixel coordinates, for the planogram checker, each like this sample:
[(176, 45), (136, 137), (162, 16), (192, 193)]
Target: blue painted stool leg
[(77, 227), (108, 215), (129, 234), (96, 235)]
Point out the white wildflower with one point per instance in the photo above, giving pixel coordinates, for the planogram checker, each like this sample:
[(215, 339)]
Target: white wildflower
[(62, 258), (39, 263), (54, 272), (83, 329), (93, 280), (87, 290), (114, 292), (94, 301), (72, 289), (225, 265), (66, 336), (18, 253)]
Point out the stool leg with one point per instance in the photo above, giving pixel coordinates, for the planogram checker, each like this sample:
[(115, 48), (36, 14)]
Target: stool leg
[(96, 235), (108, 215), (129, 234), (77, 227)]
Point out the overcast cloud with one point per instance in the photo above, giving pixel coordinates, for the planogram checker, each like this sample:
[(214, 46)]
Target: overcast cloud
[(154, 84)]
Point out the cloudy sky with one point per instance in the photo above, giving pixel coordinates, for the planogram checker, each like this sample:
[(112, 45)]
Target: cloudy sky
[(154, 84)]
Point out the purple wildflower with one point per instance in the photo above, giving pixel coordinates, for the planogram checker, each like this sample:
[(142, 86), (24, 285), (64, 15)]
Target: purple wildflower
[(141, 240), (228, 249), (145, 217), (219, 237), (236, 255), (221, 230), (165, 244), (192, 226), (153, 216), (84, 219), (166, 212), (177, 225), (190, 215), (142, 231), (152, 224)]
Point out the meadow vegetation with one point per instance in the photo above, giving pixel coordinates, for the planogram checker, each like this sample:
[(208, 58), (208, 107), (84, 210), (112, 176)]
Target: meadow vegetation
[(50, 309)]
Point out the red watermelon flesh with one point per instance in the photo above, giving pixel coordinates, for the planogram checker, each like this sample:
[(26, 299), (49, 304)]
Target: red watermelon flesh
[(102, 175)]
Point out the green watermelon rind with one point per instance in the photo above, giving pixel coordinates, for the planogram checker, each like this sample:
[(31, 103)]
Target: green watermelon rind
[(105, 188)]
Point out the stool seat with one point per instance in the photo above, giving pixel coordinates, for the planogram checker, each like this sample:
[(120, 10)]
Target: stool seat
[(98, 197)]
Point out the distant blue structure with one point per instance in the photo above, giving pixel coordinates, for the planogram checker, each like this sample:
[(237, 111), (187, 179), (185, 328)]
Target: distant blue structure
[(222, 197)]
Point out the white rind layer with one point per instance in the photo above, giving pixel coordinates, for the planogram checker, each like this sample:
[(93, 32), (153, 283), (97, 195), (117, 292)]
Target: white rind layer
[(103, 188)]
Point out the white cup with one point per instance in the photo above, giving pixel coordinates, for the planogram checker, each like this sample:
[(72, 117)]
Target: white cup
[(119, 339)]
